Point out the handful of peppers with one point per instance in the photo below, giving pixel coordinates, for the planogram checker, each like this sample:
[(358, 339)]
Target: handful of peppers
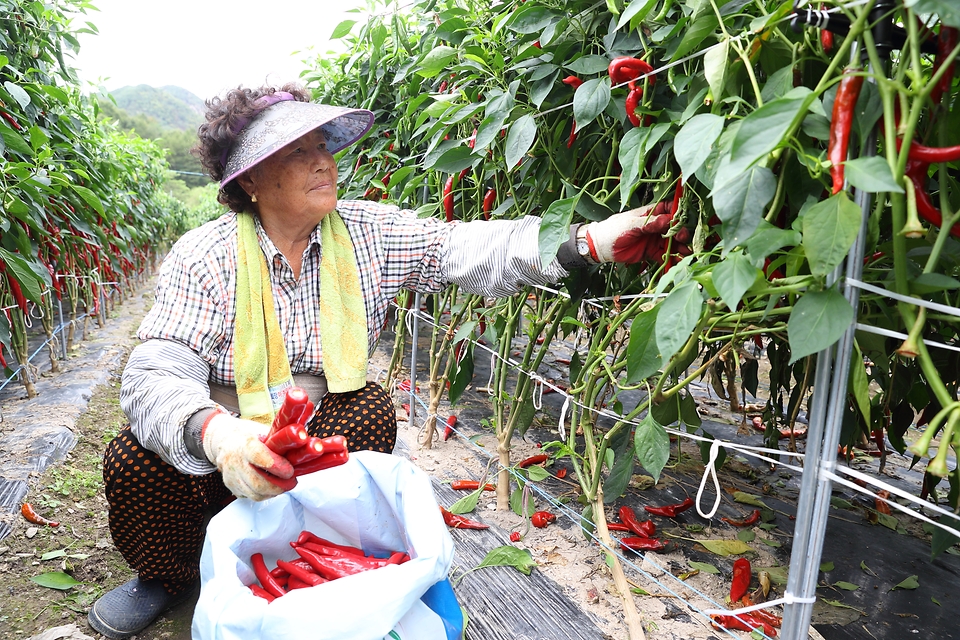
[(288, 437), (320, 561)]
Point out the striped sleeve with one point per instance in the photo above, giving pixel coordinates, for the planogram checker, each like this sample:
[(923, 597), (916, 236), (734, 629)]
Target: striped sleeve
[(164, 383), (497, 258)]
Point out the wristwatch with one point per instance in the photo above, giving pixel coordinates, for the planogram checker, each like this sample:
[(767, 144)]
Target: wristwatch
[(583, 246)]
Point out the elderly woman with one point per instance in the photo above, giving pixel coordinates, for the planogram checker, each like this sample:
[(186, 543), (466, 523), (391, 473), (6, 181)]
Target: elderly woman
[(290, 288)]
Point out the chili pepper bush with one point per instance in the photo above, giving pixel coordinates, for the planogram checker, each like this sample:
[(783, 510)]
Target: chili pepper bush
[(766, 128), (84, 214)]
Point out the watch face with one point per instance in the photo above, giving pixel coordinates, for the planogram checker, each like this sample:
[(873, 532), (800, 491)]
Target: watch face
[(583, 247)]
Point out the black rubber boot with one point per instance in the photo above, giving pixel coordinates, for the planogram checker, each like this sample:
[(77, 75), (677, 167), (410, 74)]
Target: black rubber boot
[(131, 607)]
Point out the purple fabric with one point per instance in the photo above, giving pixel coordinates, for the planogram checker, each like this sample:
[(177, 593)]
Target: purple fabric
[(259, 104)]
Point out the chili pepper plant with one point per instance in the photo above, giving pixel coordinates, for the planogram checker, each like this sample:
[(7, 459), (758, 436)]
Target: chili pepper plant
[(756, 132)]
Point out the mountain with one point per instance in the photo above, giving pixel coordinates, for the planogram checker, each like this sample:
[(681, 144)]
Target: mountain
[(172, 107)]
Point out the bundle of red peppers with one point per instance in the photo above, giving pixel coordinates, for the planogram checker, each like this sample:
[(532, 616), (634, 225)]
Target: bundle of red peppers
[(320, 561), (288, 437)]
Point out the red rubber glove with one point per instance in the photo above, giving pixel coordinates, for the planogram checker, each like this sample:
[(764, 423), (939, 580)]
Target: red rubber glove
[(635, 236)]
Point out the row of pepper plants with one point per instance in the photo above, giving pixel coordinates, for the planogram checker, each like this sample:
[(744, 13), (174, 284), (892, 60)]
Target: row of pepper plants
[(527, 108), (81, 204)]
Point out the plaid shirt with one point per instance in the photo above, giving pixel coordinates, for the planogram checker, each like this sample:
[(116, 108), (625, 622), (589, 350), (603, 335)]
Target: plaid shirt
[(195, 303)]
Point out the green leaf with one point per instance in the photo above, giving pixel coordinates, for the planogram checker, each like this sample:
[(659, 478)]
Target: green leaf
[(768, 238), (620, 474), (726, 547), (715, 68), (14, 141), (947, 10), (871, 174), (588, 65), (818, 320), (826, 566), (778, 575), (933, 282), (652, 446), (515, 497), (943, 540), (846, 586), (555, 228), (935, 601), (643, 357), (462, 374), (17, 93), (695, 140), (590, 100), (531, 19), (50, 555), (520, 138), (436, 60), (537, 473), (748, 498), (733, 276), (763, 130), (695, 33), (740, 204), (748, 536), (908, 583), (452, 160), (859, 385), (56, 580), (467, 503), (703, 567), (638, 9), (89, 197), (342, 29), (678, 317)]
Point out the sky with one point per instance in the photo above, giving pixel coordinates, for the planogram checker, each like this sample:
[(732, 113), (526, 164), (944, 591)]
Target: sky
[(205, 46)]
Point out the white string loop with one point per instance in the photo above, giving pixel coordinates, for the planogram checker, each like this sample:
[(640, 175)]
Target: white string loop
[(710, 469)]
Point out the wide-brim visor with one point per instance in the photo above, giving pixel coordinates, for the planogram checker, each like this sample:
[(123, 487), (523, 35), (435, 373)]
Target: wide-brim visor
[(282, 123)]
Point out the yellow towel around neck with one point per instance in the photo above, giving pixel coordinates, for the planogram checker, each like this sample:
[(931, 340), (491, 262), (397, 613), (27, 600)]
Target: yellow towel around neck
[(261, 366)]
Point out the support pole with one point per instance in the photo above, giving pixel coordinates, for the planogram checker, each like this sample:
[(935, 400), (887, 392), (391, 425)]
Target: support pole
[(415, 331)]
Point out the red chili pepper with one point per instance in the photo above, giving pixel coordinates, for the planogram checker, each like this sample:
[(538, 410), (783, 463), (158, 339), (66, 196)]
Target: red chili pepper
[(296, 571), (561, 473), (9, 118), (633, 101), (3, 361), (307, 537), (515, 536), (336, 552), (55, 281), (541, 519), (645, 529), (263, 575), (740, 583), (931, 155), (642, 544), (294, 402), (916, 170), (881, 503), (332, 568), (842, 122), (470, 485), (260, 592), (325, 461), (15, 289), (448, 199), (826, 40), (33, 517), (287, 439), (307, 452), (626, 69), (746, 522), (532, 460), (448, 430), (670, 510), (488, 201), (946, 42), (572, 81), (459, 522), (743, 622), (617, 526)]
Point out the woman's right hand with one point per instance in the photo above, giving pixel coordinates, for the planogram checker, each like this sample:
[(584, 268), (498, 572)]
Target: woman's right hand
[(234, 445)]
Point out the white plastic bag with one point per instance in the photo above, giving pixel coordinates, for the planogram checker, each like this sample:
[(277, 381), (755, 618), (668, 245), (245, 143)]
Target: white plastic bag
[(378, 502)]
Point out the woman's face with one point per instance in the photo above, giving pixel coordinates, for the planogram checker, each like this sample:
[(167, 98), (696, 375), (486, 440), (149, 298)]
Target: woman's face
[(298, 181)]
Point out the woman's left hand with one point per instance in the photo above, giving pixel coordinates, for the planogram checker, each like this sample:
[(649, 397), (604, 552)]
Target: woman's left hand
[(636, 236)]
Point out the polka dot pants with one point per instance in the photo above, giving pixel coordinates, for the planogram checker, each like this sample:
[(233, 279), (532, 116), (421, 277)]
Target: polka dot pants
[(157, 514)]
